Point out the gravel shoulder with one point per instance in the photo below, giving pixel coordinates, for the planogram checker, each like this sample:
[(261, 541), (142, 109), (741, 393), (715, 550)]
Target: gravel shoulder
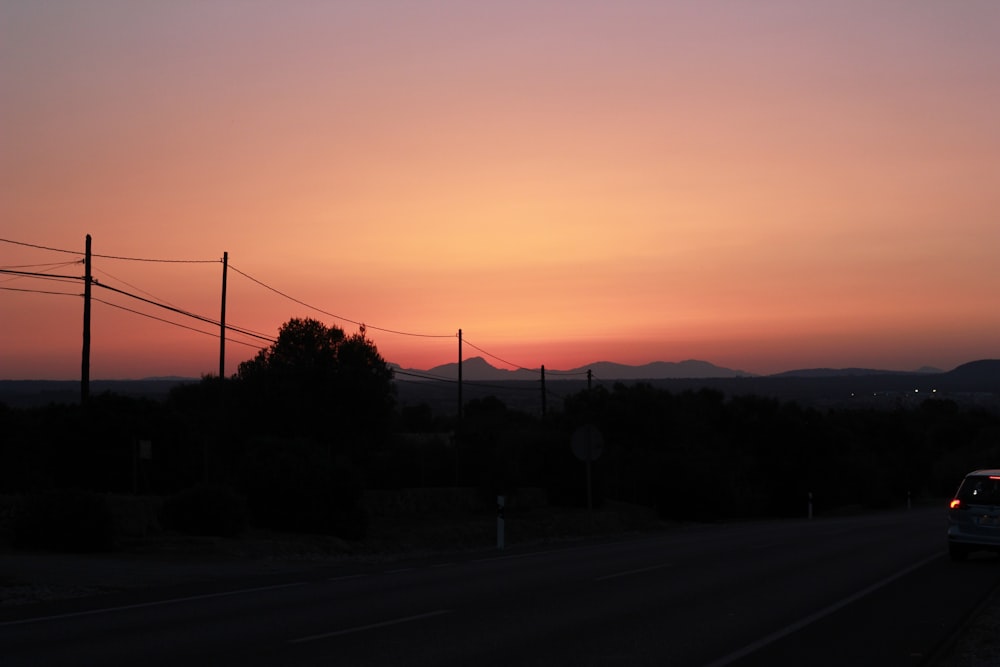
[(28, 577), (977, 644)]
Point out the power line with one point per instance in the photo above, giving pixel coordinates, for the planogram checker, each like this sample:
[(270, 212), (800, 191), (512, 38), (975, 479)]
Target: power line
[(41, 247), (36, 274), (124, 282), (159, 261), (565, 373), (335, 316), (179, 311), (17, 275), (488, 385), (120, 257), (176, 324), (244, 274), (250, 332), (247, 332), (50, 265), (160, 301), (155, 303), (465, 341), (523, 368), (38, 291), (424, 376)]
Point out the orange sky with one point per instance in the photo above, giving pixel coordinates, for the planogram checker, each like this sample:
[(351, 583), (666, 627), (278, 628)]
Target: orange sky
[(762, 185)]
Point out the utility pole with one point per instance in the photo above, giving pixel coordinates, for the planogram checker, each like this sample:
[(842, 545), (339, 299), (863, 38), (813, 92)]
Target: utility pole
[(543, 392), (590, 378), (459, 376), (222, 319), (85, 364), (458, 423)]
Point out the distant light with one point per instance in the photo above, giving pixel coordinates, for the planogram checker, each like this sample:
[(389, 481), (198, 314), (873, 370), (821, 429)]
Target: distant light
[(916, 391)]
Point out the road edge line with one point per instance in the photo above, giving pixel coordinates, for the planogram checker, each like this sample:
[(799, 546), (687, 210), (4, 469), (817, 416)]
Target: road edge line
[(815, 616)]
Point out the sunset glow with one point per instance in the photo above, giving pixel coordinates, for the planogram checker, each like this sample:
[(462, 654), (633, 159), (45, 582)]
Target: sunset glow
[(762, 185)]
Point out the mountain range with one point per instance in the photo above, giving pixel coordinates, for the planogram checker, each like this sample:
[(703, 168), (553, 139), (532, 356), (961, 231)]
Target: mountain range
[(977, 381), (478, 369)]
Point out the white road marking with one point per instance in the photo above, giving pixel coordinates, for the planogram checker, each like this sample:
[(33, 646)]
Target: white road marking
[(155, 603), (812, 618), (627, 573), (371, 626)]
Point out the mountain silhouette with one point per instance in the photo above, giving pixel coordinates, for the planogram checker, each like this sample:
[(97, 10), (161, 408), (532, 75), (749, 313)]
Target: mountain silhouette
[(477, 369), (982, 376)]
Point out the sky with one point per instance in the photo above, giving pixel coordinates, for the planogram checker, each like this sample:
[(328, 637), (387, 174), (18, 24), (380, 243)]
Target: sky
[(766, 185)]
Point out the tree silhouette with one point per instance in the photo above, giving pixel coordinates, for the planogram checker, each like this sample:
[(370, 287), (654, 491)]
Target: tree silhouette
[(317, 382)]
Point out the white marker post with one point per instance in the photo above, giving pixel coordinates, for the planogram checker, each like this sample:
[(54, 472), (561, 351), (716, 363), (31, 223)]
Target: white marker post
[(500, 527)]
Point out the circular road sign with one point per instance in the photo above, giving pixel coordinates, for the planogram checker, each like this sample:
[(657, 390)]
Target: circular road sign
[(588, 443)]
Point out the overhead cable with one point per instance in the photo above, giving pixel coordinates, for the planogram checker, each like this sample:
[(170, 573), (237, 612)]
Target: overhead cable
[(36, 274), (516, 366), (176, 324), (41, 247), (179, 311), (130, 259), (39, 291), (335, 316)]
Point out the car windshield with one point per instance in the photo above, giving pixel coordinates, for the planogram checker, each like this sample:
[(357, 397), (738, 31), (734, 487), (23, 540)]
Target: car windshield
[(980, 490)]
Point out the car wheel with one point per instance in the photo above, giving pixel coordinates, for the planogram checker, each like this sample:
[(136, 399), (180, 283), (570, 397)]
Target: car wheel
[(958, 552)]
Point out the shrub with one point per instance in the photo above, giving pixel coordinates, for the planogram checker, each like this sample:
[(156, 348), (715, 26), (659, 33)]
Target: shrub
[(65, 520), (294, 486), (205, 510)]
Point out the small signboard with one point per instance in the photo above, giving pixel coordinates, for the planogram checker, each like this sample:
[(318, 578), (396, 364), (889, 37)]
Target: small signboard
[(588, 443)]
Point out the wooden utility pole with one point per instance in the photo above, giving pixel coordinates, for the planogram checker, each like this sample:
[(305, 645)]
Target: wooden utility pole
[(543, 392), (460, 376), (458, 423), (222, 319), (85, 364)]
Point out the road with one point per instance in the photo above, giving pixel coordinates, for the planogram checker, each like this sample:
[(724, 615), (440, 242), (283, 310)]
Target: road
[(862, 590)]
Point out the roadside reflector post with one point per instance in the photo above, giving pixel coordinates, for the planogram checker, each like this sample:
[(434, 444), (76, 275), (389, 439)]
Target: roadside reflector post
[(500, 526)]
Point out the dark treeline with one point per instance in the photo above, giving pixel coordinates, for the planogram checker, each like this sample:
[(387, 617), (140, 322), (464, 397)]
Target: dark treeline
[(293, 440)]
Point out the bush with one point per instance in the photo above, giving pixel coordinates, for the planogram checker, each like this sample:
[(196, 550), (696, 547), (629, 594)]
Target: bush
[(205, 510), (66, 520), (294, 486)]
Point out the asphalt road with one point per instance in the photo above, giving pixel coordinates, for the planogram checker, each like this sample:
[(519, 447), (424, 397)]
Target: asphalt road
[(865, 590)]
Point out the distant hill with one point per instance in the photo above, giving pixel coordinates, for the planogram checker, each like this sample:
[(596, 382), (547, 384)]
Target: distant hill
[(976, 381), (983, 375), (845, 372), (477, 369), (661, 370)]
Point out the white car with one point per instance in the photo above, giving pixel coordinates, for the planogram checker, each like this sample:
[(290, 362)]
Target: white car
[(974, 515)]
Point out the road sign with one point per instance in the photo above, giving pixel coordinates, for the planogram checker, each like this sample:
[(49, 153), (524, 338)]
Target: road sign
[(588, 443)]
